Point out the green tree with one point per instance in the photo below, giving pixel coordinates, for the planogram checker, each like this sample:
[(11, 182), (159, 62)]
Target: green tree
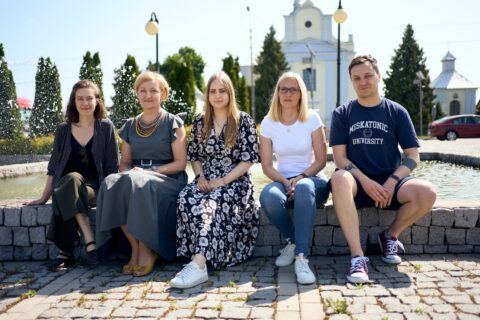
[(231, 66), (271, 63), (91, 70), (47, 104), (439, 111), (125, 102), (10, 120), (477, 110), (399, 83)]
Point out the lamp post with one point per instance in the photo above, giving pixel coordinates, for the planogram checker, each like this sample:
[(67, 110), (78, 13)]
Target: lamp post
[(152, 29), (340, 16), (252, 83), (312, 54), (419, 81)]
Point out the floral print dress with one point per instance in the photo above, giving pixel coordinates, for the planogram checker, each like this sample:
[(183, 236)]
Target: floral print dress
[(222, 225)]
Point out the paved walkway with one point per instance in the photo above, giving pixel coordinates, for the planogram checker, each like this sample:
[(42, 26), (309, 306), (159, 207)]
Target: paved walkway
[(422, 287)]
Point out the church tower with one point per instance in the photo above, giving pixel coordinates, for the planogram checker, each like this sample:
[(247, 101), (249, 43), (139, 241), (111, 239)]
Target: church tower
[(311, 51)]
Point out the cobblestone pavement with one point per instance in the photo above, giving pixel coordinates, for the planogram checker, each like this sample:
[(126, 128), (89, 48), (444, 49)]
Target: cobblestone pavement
[(422, 287)]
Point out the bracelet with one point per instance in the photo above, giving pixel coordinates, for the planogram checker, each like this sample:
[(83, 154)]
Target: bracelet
[(303, 174), (198, 176), (395, 177), (409, 163)]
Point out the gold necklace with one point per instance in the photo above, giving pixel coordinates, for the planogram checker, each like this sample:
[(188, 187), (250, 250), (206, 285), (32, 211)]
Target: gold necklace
[(144, 129)]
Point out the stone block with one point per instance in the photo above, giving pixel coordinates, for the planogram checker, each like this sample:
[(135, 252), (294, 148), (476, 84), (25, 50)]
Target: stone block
[(52, 250), (473, 236), (335, 250), (20, 237), (419, 235), (320, 250), (37, 235), (443, 217), (435, 248), (11, 217), (364, 236), (460, 249), (413, 248), (476, 249), (466, 217), (321, 217), (22, 253), (338, 237), (373, 233), (455, 236), (44, 215), (6, 253), (332, 217), (29, 216), (323, 236), (426, 221), (386, 217), (1, 216), (369, 217), (406, 236), (262, 251), (6, 237), (436, 236), (39, 251), (271, 235)]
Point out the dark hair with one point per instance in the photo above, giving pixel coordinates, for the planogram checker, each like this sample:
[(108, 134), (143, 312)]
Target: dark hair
[(71, 115), (362, 60)]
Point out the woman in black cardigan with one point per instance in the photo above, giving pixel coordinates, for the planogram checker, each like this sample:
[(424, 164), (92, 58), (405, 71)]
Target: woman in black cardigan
[(84, 153)]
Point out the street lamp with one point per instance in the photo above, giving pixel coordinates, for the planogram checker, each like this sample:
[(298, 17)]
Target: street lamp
[(312, 54), (152, 29), (252, 83), (340, 16), (419, 81)]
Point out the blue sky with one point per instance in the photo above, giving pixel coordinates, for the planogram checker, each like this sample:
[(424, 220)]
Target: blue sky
[(65, 30)]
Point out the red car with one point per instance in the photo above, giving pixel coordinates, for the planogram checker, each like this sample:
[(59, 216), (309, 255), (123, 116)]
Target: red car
[(453, 127)]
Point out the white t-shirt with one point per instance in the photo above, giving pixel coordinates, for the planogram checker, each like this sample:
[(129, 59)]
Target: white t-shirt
[(292, 145)]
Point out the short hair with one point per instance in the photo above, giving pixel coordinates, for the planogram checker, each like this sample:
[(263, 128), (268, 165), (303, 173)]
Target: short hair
[(368, 58), (71, 114), (275, 111), (155, 77)]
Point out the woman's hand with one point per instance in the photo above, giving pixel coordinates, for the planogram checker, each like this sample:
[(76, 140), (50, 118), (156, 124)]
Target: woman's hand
[(203, 184), (216, 183), (34, 202)]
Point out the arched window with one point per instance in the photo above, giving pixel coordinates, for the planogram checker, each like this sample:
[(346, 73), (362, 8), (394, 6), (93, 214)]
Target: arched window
[(454, 107)]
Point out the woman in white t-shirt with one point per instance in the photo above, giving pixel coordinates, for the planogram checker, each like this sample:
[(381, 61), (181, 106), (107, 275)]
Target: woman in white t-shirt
[(296, 137)]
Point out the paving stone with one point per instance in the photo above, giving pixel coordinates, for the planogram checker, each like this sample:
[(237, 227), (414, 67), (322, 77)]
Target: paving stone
[(323, 235), (235, 313), (443, 217), (154, 313), (443, 308), (473, 236), (311, 311), (469, 308), (435, 248), (206, 313), (262, 313), (22, 253), (419, 235), (20, 236), (460, 249), (465, 299), (39, 251), (386, 217), (44, 215), (288, 303), (436, 235), (466, 217), (455, 236), (124, 312), (369, 217)]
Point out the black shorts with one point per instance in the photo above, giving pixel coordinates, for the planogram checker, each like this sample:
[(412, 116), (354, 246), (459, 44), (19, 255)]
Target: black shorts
[(363, 200)]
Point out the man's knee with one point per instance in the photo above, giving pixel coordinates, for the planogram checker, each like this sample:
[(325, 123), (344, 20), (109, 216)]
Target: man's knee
[(418, 191), (341, 181)]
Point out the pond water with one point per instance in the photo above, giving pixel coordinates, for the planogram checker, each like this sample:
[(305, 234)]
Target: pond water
[(452, 181)]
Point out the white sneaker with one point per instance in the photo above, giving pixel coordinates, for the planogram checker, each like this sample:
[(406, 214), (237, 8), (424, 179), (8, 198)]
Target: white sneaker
[(358, 272), (190, 276), (302, 270), (287, 255)]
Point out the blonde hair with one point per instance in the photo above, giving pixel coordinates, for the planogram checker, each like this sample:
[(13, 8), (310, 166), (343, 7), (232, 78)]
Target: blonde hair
[(275, 111), (155, 77), (233, 114)]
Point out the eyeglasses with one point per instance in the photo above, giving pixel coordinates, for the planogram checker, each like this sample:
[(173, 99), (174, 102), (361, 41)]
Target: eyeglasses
[(285, 90)]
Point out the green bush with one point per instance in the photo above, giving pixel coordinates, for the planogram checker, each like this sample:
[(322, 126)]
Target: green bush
[(39, 145)]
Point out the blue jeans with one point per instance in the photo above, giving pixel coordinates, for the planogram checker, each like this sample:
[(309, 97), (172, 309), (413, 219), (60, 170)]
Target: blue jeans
[(310, 193)]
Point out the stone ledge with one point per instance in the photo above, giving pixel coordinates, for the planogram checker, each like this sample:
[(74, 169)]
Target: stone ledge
[(443, 230)]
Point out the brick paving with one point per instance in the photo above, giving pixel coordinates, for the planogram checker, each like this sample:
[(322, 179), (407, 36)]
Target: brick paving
[(422, 287)]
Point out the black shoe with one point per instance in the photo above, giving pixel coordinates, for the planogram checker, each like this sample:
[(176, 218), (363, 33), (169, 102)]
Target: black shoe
[(92, 255), (62, 261)]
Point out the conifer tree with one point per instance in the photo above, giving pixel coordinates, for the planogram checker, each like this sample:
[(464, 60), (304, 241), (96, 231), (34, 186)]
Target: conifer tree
[(439, 111), (91, 70), (10, 120), (271, 63), (477, 110), (125, 102), (399, 83), (47, 104), (231, 66)]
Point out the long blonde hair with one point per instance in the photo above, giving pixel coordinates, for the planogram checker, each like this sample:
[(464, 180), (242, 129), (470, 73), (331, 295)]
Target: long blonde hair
[(275, 111), (233, 115)]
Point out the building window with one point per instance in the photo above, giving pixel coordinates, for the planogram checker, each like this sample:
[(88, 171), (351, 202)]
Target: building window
[(454, 107), (310, 79), (308, 24)]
